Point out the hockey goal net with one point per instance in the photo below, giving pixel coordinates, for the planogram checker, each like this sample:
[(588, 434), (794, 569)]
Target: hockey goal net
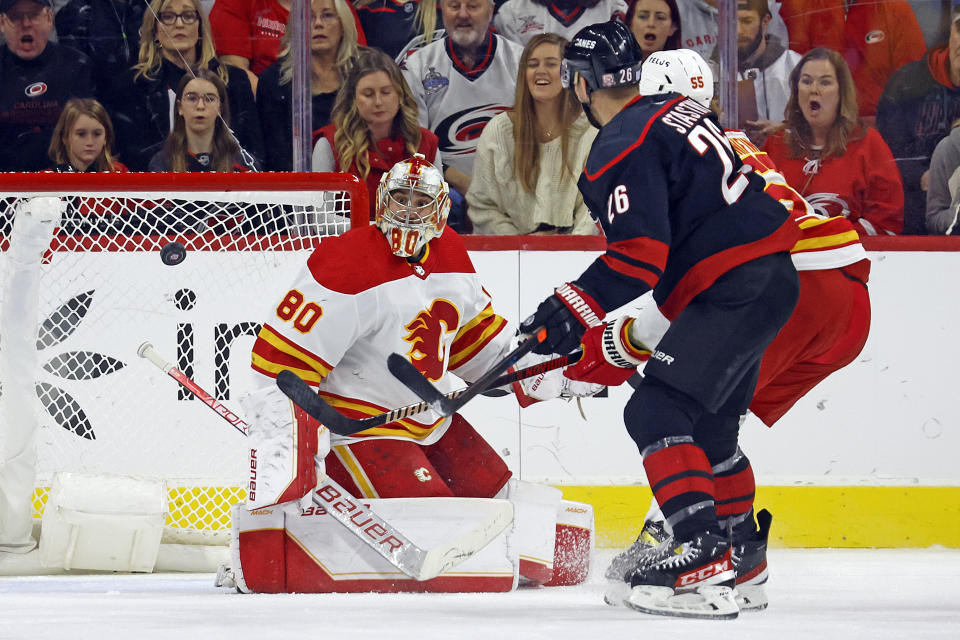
[(103, 287)]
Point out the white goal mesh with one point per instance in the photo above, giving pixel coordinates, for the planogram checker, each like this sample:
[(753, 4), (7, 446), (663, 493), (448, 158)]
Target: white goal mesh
[(105, 289)]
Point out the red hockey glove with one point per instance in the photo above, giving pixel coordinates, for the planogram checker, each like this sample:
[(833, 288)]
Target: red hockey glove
[(609, 357), (565, 315)]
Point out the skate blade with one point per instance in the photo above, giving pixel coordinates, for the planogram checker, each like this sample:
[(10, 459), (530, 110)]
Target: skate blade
[(706, 603), (752, 597), (616, 593)]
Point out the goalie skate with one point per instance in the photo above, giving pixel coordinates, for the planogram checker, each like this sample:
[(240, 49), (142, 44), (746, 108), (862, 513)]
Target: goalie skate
[(687, 579)]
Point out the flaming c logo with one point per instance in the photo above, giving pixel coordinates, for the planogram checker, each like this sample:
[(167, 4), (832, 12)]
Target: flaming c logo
[(425, 336)]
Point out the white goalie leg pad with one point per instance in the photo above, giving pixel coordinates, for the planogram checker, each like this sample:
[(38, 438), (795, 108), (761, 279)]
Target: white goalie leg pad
[(534, 528), (574, 543), (282, 549), (103, 523), (283, 443)]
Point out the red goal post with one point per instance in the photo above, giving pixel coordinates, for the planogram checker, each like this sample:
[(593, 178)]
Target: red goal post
[(71, 323)]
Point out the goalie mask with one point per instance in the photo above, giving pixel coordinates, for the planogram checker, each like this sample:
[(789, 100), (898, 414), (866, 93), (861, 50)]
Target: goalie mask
[(682, 71), (413, 202)]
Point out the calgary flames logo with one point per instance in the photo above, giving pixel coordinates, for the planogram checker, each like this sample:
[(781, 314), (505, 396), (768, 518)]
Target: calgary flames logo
[(425, 336)]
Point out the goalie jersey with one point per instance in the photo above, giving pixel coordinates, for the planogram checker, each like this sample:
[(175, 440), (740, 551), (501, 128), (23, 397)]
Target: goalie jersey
[(678, 206), (355, 303)]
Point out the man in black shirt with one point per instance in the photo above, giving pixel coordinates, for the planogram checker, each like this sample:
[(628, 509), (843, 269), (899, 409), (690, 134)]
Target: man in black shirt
[(37, 77)]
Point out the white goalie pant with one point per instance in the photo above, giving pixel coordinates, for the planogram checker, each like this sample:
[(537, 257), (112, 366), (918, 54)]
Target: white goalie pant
[(286, 549)]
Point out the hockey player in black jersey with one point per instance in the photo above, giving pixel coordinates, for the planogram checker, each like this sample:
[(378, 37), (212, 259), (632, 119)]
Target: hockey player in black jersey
[(683, 216)]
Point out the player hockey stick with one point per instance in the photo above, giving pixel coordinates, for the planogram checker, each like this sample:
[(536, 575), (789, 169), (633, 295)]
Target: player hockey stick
[(294, 387), (404, 371), (373, 531)]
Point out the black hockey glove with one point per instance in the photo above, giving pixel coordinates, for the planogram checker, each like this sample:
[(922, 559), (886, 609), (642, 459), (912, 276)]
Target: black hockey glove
[(565, 315)]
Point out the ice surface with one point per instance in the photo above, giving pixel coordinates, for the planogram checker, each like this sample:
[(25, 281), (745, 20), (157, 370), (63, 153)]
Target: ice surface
[(820, 594)]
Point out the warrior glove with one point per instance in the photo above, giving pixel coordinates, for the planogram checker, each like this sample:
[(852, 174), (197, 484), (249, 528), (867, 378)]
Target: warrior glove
[(609, 356), (565, 315)]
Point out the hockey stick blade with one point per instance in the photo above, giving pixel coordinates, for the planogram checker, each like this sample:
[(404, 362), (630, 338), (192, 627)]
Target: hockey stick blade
[(294, 387), (404, 371)]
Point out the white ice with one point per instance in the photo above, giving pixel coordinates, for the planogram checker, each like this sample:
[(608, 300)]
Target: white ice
[(820, 594)]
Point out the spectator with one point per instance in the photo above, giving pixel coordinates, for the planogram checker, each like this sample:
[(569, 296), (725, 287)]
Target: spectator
[(520, 20), (374, 123), (393, 25), (333, 46), (82, 141), (699, 29), (200, 139), (248, 33), (655, 24), (108, 32), (175, 37), (876, 37), (916, 111), (37, 77), (765, 64), (528, 158), (460, 82), (943, 195), (839, 165)]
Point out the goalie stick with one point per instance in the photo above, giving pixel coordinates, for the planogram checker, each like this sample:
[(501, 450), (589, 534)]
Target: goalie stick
[(374, 531), (307, 399), (404, 371)]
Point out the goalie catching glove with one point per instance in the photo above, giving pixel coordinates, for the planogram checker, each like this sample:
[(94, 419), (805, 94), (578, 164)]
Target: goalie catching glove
[(565, 315), (609, 356)]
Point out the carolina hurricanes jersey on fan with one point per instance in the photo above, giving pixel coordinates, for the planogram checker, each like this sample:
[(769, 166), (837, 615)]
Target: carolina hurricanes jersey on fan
[(678, 206), (520, 20), (827, 242), (456, 103), (862, 185), (355, 303)]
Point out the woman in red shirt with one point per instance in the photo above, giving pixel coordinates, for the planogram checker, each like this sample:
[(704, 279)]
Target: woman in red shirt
[(374, 124), (837, 163)]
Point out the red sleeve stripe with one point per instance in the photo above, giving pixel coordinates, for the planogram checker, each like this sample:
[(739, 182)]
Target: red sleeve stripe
[(643, 250), (637, 273), (474, 336), (705, 273), (628, 150), (272, 353)]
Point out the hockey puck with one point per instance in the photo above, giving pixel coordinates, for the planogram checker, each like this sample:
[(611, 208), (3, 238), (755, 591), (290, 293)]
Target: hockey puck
[(173, 254)]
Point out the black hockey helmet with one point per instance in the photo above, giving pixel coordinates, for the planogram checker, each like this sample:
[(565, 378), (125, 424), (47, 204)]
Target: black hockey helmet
[(605, 54)]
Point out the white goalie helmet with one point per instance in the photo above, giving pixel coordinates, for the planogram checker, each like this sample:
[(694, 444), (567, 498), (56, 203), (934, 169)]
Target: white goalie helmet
[(681, 70), (413, 202)]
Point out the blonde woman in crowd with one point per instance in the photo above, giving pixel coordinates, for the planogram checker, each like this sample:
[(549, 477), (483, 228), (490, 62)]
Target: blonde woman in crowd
[(374, 123), (533, 189), (333, 47), (175, 37)]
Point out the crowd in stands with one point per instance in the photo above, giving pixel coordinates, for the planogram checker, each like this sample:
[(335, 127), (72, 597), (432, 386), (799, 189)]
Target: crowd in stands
[(857, 103)]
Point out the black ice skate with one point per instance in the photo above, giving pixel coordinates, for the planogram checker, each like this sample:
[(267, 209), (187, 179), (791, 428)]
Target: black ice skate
[(750, 561), (625, 562), (693, 578)]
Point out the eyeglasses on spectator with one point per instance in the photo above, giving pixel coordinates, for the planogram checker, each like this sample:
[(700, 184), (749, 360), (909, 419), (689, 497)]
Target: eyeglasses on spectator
[(169, 18)]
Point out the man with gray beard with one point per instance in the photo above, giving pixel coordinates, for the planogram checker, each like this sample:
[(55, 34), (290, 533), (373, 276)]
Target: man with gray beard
[(460, 82)]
